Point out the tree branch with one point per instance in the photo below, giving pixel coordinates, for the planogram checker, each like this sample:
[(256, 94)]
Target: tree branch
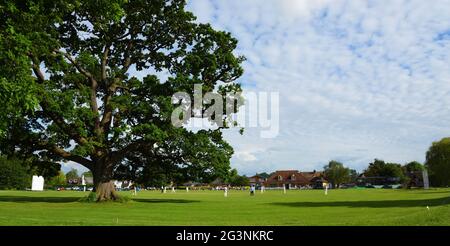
[(77, 66), (64, 154), (140, 143), (105, 123), (67, 128), (127, 58), (38, 73), (68, 156), (94, 85), (104, 61)]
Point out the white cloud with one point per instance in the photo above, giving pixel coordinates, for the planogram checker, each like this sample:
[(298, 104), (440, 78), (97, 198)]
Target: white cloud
[(352, 76), (204, 10), (245, 156)]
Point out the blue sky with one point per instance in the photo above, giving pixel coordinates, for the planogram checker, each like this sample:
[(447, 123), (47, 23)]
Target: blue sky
[(358, 80)]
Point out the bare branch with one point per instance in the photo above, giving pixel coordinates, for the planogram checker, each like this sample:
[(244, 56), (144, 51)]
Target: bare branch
[(36, 69), (104, 61), (68, 156), (123, 36), (38, 73), (107, 113), (127, 58), (136, 145), (64, 154), (77, 65)]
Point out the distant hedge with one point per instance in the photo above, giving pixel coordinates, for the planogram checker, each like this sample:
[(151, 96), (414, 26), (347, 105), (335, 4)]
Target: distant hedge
[(13, 175)]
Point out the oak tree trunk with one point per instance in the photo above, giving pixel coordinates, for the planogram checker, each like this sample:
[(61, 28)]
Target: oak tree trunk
[(103, 184), (106, 191)]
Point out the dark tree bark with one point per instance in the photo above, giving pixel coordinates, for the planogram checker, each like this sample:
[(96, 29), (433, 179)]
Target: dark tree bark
[(103, 180)]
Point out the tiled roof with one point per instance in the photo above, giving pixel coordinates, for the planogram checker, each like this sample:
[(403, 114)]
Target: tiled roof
[(288, 176), (311, 175)]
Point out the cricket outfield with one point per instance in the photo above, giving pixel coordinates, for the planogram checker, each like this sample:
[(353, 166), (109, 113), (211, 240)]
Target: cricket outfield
[(296, 207)]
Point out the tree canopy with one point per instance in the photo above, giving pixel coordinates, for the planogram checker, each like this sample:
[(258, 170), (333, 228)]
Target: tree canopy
[(69, 80), (72, 174), (13, 174), (58, 180), (438, 162), (336, 173), (234, 179), (380, 168), (413, 166)]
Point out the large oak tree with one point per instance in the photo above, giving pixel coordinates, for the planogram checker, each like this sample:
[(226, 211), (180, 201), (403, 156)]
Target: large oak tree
[(69, 90)]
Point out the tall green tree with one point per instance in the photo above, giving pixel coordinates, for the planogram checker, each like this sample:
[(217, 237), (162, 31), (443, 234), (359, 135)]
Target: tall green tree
[(413, 174), (353, 175), (58, 180), (66, 76), (380, 168), (336, 173), (72, 174), (235, 179), (240, 180), (438, 162), (413, 166)]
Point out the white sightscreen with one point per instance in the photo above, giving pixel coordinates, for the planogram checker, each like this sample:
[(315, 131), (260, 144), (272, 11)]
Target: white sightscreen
[(37, 183)]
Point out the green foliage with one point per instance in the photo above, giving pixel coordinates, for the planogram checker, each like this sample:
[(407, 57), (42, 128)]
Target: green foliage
[(234, 179), (72, 174), (123, 199), (353, 175), (47, 169), (58, 59), (58, 180), (336, 173), (438, 162), (13, 175), (379, 168), (414, 166), (87, 174), (239, 181), (90, 198)]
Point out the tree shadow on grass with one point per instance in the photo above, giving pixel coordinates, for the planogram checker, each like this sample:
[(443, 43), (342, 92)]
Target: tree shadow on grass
[(24, 199), (164, 200), (433, 192), (370, 204)]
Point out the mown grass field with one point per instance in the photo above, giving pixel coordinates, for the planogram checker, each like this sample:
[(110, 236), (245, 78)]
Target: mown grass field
[(301, 207)]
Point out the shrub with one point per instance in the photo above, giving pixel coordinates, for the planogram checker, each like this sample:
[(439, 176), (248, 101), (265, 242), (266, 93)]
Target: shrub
[(92, 197), (13, 175)]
